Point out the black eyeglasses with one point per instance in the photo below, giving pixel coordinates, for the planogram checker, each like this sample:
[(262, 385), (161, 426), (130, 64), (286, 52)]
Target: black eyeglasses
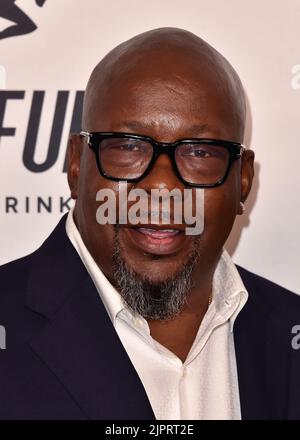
[(203, 163)]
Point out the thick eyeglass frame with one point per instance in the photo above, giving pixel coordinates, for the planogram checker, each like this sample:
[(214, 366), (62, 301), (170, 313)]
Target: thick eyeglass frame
[(94, 139)]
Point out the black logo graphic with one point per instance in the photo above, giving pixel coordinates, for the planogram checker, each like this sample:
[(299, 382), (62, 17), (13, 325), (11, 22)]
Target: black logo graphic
[(22, 23), (34, 122)]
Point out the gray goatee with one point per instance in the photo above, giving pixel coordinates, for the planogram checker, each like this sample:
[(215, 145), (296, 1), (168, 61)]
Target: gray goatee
[(153, 300)]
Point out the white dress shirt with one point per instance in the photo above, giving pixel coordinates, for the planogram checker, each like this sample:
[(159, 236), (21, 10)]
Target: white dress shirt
[(205, 385)]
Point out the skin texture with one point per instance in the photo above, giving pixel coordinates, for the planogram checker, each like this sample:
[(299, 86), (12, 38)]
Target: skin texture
[(168, 84)]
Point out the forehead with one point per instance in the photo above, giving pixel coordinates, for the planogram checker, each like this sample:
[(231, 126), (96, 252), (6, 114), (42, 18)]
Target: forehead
[(167, 98)]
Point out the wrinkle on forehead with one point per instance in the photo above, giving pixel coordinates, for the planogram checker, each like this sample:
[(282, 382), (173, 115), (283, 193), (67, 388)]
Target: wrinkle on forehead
[(176, 58)]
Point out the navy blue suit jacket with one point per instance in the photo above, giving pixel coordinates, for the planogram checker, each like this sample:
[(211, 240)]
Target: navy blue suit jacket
[(64, 360)]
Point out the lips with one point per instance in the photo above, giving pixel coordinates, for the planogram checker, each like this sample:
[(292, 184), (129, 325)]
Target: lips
[(156, 239), (158, 234)]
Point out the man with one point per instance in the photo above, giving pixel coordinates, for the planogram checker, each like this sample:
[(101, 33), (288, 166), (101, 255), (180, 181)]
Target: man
[(143, 321)]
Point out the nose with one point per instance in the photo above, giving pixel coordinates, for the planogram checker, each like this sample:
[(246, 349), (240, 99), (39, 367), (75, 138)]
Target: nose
[(161, 176)]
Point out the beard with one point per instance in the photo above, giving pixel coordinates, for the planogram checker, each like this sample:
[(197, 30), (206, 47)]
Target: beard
[(162, 300)]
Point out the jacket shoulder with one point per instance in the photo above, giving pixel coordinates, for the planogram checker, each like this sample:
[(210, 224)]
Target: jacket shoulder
[(266, 290), (14, 272), (13, 282)]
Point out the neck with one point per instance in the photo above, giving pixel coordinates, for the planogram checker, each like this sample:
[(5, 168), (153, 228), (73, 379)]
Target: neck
[(179, 333)]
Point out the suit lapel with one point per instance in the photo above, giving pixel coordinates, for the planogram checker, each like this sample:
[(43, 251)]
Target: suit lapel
[(79, 343)]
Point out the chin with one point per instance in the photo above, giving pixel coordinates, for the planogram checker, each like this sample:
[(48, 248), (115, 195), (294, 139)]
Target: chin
[(156, 269)]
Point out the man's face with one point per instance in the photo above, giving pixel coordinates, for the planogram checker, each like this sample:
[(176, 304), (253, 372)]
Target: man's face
[(166, 105)]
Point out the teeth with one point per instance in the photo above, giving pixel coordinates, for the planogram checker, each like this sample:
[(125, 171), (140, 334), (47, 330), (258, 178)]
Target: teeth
[(158, 230)]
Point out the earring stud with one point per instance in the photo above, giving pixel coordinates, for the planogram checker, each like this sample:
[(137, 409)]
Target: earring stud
[(242, 206)]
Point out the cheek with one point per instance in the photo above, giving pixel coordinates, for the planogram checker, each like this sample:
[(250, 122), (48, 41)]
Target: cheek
[(90, 182), (220, 209), (218, 206), (99, 239)]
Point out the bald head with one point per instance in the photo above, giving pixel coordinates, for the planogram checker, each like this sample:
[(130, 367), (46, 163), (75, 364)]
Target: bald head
[(170, 59)]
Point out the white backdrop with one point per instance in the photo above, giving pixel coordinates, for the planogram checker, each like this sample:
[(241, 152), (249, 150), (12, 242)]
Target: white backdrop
[(261, 38)]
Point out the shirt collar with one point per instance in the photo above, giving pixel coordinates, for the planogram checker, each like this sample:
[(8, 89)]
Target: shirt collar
[(229, 292)]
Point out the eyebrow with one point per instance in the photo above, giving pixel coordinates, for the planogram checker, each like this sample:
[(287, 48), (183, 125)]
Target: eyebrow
[(195, 129)]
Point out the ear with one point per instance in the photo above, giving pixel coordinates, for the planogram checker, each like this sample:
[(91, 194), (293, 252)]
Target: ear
[(247, 174), (74, 158)]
